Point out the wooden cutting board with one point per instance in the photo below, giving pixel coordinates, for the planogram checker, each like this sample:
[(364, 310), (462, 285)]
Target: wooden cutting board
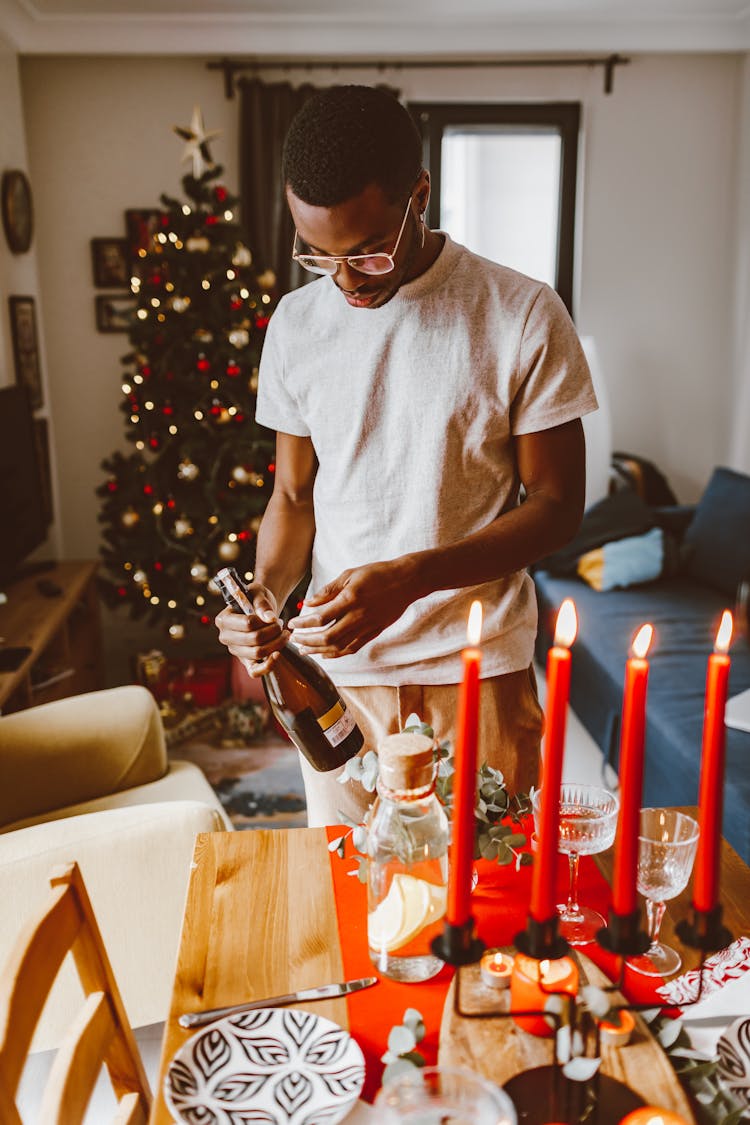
[(501, 1051)]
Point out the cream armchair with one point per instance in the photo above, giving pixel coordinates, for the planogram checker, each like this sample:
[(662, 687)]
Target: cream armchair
[(86, 779)]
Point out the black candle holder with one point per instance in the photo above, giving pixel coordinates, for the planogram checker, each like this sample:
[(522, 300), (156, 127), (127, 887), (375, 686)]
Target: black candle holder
[(704, 930), (541, 940), (624, 935), (458, 944)]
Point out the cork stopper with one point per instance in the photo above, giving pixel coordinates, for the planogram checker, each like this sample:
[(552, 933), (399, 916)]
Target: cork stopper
[(406, 761)]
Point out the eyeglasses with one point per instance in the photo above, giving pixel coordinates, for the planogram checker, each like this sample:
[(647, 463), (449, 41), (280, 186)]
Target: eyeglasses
[(372, 264)]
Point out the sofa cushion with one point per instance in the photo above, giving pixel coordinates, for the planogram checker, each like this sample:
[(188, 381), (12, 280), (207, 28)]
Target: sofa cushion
[(626, 562), (717, 541)]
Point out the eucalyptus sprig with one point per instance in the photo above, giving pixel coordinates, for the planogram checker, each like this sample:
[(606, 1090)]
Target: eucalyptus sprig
[(494, 839), (402, 1054)]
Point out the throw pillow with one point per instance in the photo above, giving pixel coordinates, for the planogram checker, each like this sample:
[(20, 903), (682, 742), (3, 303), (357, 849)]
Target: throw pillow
[(616, 517), (625, 562), (717, 542)]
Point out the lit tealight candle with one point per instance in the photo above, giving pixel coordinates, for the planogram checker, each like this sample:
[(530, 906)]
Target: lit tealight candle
[(531, 982), (496, 968), (653, 1115), (617, 1034)]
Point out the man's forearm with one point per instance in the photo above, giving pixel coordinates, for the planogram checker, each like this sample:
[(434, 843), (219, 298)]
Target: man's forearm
[(285, 539), (512, 542)]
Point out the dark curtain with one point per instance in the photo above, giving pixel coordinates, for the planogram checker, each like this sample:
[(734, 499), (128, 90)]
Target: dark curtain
[(266, 111)]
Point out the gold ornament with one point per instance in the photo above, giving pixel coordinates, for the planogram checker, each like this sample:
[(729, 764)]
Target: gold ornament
[(180, 304), (177, 631), (198, 244), (228, 551), (199, 571), (267, 279), (140, 577), (129, 518), (188, 470), (239, 337), (183, 527), (241, 474), (242, 256)]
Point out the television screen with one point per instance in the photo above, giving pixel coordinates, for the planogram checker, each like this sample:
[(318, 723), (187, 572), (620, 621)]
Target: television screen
[(23, 521)]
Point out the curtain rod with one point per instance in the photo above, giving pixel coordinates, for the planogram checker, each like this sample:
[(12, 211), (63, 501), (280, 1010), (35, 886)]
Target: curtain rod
[(231, 67)]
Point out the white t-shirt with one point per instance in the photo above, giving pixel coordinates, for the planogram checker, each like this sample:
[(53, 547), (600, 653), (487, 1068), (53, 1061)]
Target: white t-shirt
[(412, 409)]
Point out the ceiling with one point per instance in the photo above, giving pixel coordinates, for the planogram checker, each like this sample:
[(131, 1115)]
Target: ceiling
[(373, 28)]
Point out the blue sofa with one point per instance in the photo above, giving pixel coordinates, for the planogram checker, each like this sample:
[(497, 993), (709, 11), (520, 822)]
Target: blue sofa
[(700, 579)]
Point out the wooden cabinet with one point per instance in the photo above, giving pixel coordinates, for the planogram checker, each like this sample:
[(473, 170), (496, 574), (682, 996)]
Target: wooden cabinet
[(62, 632)]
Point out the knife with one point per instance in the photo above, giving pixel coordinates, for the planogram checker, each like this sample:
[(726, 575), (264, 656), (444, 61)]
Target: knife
[(324, 992)]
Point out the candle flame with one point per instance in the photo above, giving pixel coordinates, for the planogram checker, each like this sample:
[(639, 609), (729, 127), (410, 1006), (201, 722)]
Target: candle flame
[(567, 624), (474, 628), (642, 640), (724, 635)]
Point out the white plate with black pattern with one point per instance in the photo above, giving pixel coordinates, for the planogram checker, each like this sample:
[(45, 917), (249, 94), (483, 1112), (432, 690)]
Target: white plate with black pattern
[(276, 1066), (733, 1051)]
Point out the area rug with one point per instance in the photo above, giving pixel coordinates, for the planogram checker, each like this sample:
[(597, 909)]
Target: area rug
[(259, 784)]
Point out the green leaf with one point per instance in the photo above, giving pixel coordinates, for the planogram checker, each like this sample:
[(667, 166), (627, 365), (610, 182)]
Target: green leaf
[(370, 768), (396, 1069), (415, 1058), (414, 1020), (401, 1040)]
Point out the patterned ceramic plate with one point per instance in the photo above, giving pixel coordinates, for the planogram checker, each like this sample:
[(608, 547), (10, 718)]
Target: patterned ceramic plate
[(733, 1050), (277, 1066)]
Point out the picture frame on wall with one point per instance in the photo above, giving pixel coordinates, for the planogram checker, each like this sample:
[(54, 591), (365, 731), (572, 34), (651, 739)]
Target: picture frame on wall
[(114, 312), (25, 342), (111, 261), (41, 442), (141, 224)]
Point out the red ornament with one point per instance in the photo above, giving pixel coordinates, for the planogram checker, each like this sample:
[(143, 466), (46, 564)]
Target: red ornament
[(262, 321), (145, 371), (159, 565), (154, 441), (155, 278), (243, 535), (239, 417), (148, 490), (232, 369), (205, 620), (170, 502), (272, 467), (203, 364), (236, 303), (211, 220), (300, 605), (220, 192), (164, 220), (216, 410), (122, 591), (112, 486), (168, 410)]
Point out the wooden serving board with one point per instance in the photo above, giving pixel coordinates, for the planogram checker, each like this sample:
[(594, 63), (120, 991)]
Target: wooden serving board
[(500, 1050)]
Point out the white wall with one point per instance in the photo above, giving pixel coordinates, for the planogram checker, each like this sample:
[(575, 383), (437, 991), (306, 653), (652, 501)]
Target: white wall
[(19, 272), (656, 284), (740, 427)]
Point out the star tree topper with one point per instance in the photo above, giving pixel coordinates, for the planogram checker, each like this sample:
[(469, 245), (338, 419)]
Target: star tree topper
[(197, 139)]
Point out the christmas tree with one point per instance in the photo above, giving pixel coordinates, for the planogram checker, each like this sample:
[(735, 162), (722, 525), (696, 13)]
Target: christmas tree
[(188, 500)]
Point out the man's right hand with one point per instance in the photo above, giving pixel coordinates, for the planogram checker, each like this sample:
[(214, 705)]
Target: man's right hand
[(257, 639)]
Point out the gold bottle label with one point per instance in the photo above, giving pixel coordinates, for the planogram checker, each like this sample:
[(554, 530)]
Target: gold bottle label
[(337, 723)]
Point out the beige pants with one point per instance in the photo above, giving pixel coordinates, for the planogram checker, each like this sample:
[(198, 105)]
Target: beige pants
[(510, 730)]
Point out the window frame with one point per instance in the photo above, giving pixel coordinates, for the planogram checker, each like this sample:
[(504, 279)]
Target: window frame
[(564, 118)]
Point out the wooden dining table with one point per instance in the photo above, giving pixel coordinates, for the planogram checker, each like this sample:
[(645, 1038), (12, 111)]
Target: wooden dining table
[(261, 920)]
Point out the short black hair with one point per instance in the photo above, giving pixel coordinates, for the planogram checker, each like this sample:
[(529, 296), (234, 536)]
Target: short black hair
[(346, 137)]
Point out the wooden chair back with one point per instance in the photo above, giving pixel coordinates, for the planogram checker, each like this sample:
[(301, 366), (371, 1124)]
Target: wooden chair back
[(100, 1035)]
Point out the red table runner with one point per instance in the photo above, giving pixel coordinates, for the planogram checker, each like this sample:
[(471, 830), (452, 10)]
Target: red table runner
[(499, 904)]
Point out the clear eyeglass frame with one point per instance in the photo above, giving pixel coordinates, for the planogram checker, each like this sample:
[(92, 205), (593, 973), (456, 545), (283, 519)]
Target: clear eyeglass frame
[(372, 264)]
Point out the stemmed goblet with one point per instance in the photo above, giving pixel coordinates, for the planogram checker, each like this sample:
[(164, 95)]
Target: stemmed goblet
[(588, 821), (666, 850)]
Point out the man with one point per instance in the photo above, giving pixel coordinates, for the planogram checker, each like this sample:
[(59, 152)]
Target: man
[(416, 389)]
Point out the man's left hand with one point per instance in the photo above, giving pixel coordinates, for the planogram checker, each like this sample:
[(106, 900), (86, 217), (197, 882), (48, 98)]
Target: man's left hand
[(354, 608)]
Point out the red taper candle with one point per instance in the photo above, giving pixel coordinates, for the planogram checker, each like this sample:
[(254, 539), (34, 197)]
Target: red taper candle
[(465, 776), (544, 876), (711, 792), (632, 742)]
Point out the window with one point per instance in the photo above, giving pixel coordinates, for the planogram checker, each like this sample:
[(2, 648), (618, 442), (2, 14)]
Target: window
[(504, 182)]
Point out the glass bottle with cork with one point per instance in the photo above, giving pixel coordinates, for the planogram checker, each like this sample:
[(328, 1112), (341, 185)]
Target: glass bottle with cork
[(407, 852)]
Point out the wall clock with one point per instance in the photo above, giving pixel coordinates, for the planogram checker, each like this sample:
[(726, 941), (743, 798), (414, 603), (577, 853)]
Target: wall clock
[(18, 213)]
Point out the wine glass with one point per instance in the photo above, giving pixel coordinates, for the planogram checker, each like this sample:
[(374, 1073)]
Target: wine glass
[(666, 851), (443, 1095), (588, 820)]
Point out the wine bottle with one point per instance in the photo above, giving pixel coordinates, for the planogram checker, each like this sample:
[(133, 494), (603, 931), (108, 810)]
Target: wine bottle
[(301, 695)]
